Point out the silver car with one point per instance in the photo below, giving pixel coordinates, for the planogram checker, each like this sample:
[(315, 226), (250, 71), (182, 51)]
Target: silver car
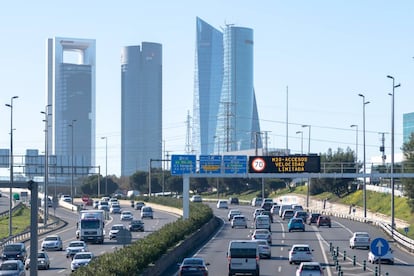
[(265, 251), (12, 268), (75, 247), (81, 259), (43, 261), (360, 239), (52, 242)]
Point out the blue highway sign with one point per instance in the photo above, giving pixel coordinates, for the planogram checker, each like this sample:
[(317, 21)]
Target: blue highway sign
[(379, 247), (210, 164), (235, 164), (183, 164)]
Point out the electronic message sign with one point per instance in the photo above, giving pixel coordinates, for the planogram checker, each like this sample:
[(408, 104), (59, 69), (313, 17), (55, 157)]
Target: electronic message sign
[(285, 164)]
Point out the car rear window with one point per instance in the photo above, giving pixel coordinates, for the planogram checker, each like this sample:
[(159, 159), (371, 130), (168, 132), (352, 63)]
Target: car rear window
[(311, 267), (242, 252), (301, 249)]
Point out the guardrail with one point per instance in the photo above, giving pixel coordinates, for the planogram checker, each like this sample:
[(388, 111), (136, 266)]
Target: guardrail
[(15, 208)]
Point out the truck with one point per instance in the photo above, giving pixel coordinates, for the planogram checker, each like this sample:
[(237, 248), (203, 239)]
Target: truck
[(91, 226)]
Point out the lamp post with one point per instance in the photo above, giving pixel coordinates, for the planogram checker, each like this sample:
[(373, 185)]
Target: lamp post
[(309, 179), (301, 140), (72, 126), (392, 153), (356, 147), (106, 164), (46, 175), (364, 103), (11, 165)]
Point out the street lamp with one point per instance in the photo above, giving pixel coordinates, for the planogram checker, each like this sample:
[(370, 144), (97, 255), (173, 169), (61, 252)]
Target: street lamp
[(392, 152), (301, 140), (309, 179), (356, 147), (46, 175), (72, 126), (364, 103), (106, 164), (11, 164)]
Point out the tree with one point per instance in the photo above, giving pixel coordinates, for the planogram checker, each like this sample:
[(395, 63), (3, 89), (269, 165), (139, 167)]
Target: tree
[(335, 162), (408, 151), (90, 185)]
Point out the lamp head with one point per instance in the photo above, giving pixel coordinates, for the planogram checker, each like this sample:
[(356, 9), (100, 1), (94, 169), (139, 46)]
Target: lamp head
[(390, 77)]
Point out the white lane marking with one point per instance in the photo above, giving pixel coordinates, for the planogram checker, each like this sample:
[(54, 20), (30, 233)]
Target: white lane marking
[(320, 240)]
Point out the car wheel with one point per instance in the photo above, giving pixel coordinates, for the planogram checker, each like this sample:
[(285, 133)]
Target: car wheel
[(290, 262)]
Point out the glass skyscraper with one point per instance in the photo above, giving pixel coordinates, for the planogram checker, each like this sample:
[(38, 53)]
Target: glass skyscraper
[(225, 111), (71, 102), (141, 112), (408, 126)]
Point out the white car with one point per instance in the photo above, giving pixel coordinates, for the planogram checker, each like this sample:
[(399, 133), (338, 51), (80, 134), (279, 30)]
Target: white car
[(309, 269), (52, 242), (360, 239), (66, 198), (300, 253), (196, 198), (232, 213), (222, 204), (81, 259), (265, 250), (127, 215), (238, 221), (387, 258), (114, 230), (75, 247), (262, 234)]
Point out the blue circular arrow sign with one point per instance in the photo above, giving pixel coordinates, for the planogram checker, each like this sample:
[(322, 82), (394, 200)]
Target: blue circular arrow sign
[(379, 247)]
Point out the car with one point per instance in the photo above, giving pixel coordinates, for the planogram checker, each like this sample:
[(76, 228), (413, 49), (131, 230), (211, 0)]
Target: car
[(312, 218), (262, 234), (310, 269), (136, 225), (288, 214), (139, 205), (113, 200), (297, 207), (284, 207), (324, 221), (14, 251), (267, 213), (301, 214), (257, 201), (296, 224), (360, 239), (147, 212), (75, 247), (127, 215), (115, 229), (49, 202), (222, 204), (115, 208), (267, 205), (95, 204), (257, 212), (275, 209), (232, 213), (52, 242), (265, 250), (234, 200), (300, 253), (81, 259), (43, 261), (387, 258), (66, 198), (103, 205), (12, 268), (89, 202), (193, 267), (243, 257), (196, 198), (238, 221), (263, 222)]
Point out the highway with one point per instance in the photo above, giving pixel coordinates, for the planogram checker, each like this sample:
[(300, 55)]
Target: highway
[(60, 265), (319, 240)]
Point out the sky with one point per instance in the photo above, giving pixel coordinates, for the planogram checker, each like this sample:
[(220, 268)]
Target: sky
[(311, 60)]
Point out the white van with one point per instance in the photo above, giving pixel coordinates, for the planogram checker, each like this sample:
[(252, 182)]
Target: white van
[(243, 257), (262, 222)]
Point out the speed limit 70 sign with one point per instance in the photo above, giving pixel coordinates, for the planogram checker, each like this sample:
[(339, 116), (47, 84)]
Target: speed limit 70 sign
[(258, 164)]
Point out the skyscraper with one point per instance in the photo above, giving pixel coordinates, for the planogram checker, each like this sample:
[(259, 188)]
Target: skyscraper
[(225, 110), (141, 126), (71, 96), (408, 126)]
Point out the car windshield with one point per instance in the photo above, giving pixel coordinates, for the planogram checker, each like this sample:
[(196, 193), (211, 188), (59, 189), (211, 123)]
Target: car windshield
[(362, 235), (311, 267), (82, 256), (127, 213), (51, 238), (117, 227), (76, 244), (192, 262), (12, 247), (261, 242), (41, 255), (8, 266)]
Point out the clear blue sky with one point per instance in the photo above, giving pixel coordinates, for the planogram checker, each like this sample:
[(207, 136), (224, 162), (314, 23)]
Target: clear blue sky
[(325, 51)]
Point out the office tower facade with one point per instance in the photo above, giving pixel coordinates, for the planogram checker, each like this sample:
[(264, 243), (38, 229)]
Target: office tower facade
[(141, 113), (232, 122), (408, 126), (208, 79), (71, 67)]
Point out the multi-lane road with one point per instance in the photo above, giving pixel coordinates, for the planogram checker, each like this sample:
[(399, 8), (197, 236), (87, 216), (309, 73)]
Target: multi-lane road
[(60, 265), (319, 240)]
